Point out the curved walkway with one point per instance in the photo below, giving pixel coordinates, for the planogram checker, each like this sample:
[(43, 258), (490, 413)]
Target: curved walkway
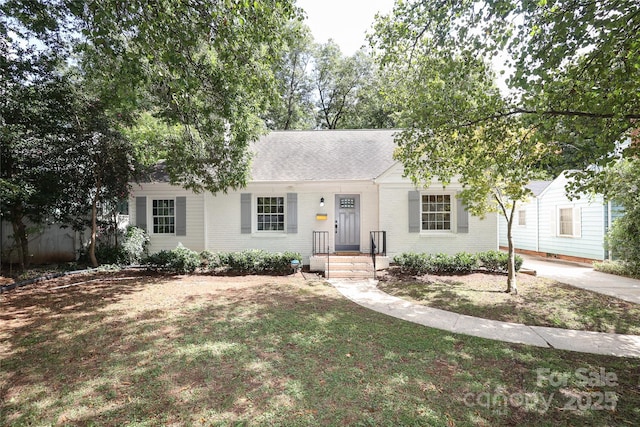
[(366, 294)]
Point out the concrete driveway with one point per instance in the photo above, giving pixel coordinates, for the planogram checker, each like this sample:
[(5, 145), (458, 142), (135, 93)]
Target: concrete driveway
[(584, 276)]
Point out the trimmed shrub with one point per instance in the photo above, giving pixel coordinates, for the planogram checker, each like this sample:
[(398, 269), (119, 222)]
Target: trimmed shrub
[(210, 261), (179, 260), (412, 263), (257, 261), (460, 263), (421, 263), (465, 263), (182, 260), (496, 261)]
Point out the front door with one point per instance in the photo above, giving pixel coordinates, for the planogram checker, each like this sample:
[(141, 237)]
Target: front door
[(347, 225)]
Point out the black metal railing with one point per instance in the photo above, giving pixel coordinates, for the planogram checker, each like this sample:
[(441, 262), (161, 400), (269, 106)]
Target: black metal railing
[(378, 242), (320, 242)]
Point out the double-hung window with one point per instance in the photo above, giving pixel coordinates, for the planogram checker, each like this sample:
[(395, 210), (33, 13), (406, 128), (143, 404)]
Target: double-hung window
[(522, 217), (569, 222), (270, 213), (164, 216), (436, 212)]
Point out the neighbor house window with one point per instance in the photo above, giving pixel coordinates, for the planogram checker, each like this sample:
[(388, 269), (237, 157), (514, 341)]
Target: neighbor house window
[(270, 213), (522, 217), (164, 216), (436, 212), (566, 224)]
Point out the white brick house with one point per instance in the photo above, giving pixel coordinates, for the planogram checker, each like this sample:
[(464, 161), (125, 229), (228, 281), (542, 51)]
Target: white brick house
[(315, 192)]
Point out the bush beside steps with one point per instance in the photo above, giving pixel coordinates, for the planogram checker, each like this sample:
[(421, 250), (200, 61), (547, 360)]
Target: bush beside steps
[(182, 260), (460, 263)]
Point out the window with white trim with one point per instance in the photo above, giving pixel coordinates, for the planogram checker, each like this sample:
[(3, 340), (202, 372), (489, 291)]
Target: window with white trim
[(270, 211), (522, 217), (569, 222), (164, 216), (436, 212)]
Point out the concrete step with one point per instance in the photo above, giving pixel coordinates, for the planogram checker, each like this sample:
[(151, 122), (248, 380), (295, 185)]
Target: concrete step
[(349, 267), (344, 274)]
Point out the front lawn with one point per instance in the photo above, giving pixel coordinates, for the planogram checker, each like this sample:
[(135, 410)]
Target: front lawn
[(539, 302), (135, 349)]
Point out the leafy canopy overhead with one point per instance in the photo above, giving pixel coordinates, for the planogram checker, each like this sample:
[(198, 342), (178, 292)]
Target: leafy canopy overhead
[(572, 66), (203, 67)]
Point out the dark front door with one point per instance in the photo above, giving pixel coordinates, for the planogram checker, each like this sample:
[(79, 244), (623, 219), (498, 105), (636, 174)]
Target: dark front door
[(347, 226)]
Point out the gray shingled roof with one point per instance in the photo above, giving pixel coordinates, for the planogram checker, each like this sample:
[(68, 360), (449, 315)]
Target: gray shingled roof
[(537, 187), (322, 155)]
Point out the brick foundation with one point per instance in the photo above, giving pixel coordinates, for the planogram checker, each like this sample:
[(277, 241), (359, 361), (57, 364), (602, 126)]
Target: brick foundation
[(554, 256)]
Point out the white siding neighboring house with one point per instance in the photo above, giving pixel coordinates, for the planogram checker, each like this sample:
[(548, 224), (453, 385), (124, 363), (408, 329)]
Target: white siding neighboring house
[(315, 192), (550, 224)]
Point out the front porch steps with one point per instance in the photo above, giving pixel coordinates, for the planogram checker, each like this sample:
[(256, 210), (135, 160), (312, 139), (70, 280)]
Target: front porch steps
[(349, 267)]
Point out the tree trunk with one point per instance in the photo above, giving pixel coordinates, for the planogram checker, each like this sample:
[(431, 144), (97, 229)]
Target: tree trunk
[(20, 237), (94, 227), (512, 286)]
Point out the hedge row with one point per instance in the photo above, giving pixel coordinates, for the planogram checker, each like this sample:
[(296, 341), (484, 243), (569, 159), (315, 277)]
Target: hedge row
[(184, 261), (460, 263)]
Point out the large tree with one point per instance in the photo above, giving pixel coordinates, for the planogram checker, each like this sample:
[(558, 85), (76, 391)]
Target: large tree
[(572, 67), (204, 65), (338, 79), (208, 66), (35, 131), (571, 95), (493, 163), (294, 108)]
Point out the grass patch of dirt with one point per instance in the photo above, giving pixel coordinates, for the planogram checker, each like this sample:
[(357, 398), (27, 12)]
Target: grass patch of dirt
[(539, 302), (138, 349)]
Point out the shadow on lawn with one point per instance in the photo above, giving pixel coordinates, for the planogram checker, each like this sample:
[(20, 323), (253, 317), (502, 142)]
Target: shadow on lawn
[(269, 354)]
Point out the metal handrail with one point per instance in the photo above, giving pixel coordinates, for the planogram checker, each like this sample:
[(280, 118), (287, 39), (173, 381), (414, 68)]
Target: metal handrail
[(379, 241), (320, 242), (377, 249)]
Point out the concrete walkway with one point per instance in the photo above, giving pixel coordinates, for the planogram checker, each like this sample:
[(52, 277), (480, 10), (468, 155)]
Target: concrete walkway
[(585, 277), (366, 294)]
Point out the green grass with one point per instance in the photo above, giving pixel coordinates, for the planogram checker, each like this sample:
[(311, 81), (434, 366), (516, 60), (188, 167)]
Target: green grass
[(173, 351), (539, 302)]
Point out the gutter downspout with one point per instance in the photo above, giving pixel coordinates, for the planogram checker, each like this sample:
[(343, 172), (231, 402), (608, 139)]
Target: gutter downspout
[(537, 224)]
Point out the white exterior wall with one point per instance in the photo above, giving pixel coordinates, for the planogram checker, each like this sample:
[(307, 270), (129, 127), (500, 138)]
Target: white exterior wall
[(194, 238), (524, 236), (223, 217), (214, 221), (394, 218), (590, 242)]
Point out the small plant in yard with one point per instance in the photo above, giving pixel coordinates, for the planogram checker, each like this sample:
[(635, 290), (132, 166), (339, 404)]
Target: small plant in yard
[(131, 249), (496, 261), (179, 260), (210, 261), (134, 246)]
